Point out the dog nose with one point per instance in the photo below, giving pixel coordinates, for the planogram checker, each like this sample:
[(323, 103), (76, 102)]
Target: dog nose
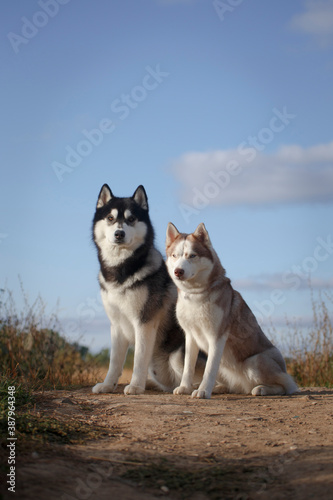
[(179, 273), (119, 235)]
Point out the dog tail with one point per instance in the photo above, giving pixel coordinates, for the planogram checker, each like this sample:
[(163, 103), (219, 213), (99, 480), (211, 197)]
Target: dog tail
[(176, 366)]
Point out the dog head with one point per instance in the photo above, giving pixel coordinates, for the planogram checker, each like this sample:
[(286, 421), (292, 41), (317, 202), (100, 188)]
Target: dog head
[(121, 225), (190, 257)]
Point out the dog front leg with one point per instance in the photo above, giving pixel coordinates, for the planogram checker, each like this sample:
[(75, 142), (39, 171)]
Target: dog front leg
[(119, 347), (191, 356), (215, 351), (145, 336)]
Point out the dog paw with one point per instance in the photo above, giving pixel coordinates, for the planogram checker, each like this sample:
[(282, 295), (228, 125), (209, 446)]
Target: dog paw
[(133, 390), (268, 390), (182, 389), (200, 394), (260, 390), (103, 388)]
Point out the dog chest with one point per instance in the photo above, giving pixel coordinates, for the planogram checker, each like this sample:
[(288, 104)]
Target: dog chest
[(200, 317), (124, 305)]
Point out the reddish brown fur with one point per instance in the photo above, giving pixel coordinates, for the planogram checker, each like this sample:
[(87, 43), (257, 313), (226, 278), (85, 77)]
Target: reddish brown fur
[(249, 362)]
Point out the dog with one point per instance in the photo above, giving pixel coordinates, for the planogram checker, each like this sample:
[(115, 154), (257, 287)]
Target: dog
[(138, 295), (217, 320)]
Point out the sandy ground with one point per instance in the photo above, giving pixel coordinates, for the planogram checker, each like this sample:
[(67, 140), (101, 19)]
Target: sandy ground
[(160, 445)]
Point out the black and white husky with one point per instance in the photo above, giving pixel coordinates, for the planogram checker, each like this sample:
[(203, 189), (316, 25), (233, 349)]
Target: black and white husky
[(138, 295)]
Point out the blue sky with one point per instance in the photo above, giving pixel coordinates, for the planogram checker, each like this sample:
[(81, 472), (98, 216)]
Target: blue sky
[(221, 109)]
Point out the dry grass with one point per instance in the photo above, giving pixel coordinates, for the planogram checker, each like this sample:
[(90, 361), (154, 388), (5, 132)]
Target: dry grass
[(311, 352), (34, 354)]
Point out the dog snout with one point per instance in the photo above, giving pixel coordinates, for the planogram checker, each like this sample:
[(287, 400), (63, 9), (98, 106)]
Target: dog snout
[(179, 273), (119, 235)]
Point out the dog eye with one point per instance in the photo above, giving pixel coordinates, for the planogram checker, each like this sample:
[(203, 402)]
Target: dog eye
[(174, 255), (131, 219), (110, 218), (192, 256)]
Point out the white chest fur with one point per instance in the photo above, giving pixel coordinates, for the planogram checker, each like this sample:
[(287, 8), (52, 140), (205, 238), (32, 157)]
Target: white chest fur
[(123, 307), (200, 317)]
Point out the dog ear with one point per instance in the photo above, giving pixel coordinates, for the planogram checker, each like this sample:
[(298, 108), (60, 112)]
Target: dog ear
[(171, 234), (202, 235), (105, 195), (140, 196)]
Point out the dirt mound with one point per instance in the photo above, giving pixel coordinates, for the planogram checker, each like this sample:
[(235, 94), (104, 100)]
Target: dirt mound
[(156, 444)]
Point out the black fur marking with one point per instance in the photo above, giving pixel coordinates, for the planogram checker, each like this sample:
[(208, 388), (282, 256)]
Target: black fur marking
[(119, 274), (157, 284), (122, 204), (175, 337)]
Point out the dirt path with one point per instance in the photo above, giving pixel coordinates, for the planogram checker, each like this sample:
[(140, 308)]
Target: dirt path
[(228, 447)]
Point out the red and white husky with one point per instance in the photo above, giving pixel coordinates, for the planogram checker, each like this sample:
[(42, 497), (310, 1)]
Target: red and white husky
[(217, 320)]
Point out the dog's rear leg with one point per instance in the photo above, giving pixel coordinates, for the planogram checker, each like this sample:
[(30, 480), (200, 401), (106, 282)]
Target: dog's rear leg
[(119, 347)]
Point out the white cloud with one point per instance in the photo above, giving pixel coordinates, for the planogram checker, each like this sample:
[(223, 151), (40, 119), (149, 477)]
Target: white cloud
[(246, 176), (270, 282), (316, 21)]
